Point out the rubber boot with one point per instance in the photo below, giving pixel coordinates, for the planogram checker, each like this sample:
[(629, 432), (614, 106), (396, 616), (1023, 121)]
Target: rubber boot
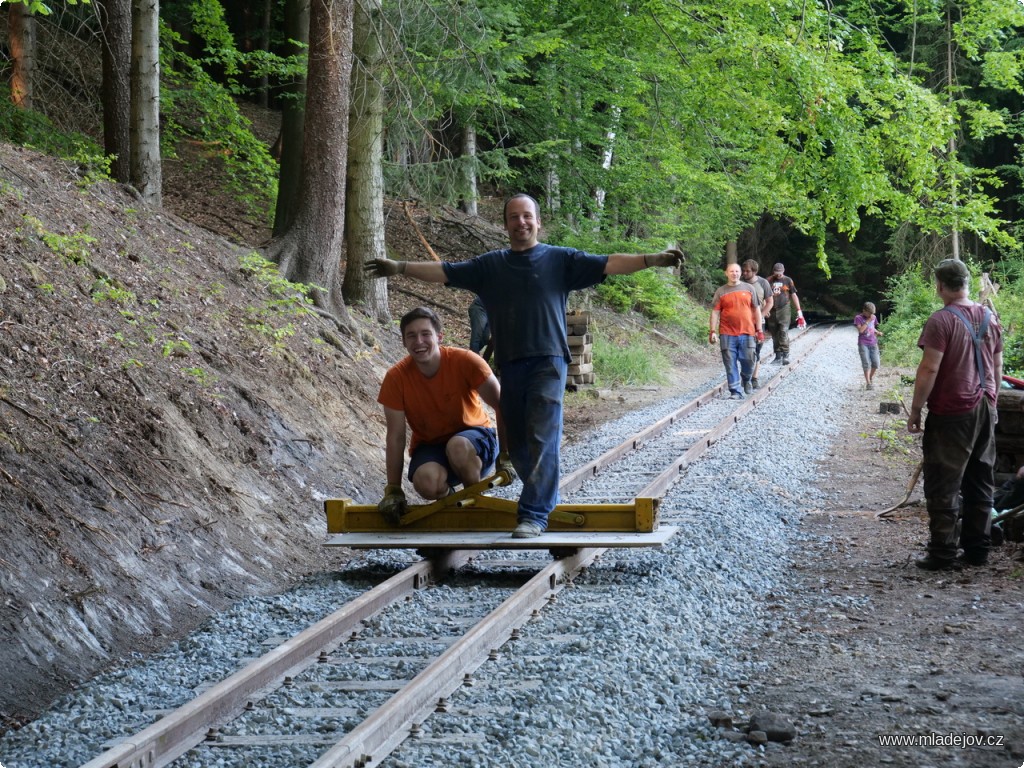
[(976, 535), (944, 536)]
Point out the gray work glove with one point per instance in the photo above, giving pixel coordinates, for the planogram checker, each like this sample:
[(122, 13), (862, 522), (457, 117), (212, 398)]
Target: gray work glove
[(504, 464), (393, 505), (670, 257), (384, 268)]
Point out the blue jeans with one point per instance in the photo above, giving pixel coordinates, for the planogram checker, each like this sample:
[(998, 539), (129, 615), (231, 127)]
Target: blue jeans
[(738, 356), (532, 389)]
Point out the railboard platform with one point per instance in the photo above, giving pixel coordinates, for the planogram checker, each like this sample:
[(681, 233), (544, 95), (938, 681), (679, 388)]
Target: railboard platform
[(397, 539), (470, 511)]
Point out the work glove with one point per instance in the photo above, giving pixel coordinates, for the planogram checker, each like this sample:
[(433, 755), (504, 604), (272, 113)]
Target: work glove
[(760, 336), (800, 322), (383, 268), (712, 337), (670, 257), (504, 464), (393, 505)]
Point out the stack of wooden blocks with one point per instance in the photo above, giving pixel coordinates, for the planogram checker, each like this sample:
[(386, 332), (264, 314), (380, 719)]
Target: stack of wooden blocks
[(581, 348)]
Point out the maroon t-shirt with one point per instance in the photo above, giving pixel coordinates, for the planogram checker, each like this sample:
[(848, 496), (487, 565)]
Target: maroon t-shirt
[(956, 385)]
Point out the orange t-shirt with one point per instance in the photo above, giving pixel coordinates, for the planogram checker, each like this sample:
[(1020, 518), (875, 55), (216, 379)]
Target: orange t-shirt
[(735, 303), (438, 407)]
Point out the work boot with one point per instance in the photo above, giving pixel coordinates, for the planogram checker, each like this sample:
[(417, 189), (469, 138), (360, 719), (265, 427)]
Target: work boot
[(785, 359), (747, 387), (777, 360), (932, 563), (755, 383), (974, 558)]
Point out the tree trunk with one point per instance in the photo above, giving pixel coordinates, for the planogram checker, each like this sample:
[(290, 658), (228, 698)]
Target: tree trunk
[(116, 22), (552, 191), (951, 148), (731, 253), (606, 164), (468, 202), (309, 251), (364, 206), (21, 35), (145, 169), (296, 23), (268, 15)]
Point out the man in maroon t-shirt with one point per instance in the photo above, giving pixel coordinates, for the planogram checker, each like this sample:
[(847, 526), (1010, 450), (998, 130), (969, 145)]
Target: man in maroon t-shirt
[(958, 377)]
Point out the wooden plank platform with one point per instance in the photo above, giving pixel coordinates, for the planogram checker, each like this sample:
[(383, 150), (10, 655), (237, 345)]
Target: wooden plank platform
[(499, 539)]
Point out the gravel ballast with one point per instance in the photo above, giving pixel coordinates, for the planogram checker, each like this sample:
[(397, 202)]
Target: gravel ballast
[(661, 637)]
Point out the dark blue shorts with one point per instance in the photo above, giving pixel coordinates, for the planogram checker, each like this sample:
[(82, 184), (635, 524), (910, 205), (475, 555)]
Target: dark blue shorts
[(484, 440)]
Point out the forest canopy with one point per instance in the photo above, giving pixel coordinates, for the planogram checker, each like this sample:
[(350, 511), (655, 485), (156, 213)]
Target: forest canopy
[(863, 138)]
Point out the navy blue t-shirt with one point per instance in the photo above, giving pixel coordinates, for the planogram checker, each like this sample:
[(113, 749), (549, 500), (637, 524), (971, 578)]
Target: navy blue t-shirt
[(525, 295)]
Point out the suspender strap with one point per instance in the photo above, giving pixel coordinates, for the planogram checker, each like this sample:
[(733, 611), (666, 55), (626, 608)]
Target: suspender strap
[(976, 335)]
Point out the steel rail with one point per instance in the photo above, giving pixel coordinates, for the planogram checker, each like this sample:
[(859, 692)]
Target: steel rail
[(573, 480), (179, 731), (665, 479), (388, 726), (579, 476)]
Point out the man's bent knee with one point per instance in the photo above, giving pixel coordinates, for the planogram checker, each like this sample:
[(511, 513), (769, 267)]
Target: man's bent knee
[(431, 481)]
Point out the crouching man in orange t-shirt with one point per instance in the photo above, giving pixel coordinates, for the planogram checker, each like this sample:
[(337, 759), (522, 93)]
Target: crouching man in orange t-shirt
[(438, 391)]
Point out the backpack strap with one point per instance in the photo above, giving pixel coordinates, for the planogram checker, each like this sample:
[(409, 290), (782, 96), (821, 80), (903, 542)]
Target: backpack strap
[(976, 336)]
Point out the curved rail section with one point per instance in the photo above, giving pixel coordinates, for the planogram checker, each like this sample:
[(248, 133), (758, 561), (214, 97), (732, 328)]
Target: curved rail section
[(389, 724)]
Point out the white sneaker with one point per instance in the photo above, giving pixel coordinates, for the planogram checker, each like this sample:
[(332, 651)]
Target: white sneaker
[(527, 529)]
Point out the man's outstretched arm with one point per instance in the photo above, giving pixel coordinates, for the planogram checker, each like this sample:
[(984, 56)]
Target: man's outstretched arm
[(428, 271), (628, 263)]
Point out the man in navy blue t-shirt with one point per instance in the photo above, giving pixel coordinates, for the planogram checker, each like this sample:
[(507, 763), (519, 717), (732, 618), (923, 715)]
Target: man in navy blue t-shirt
[(525, 289)]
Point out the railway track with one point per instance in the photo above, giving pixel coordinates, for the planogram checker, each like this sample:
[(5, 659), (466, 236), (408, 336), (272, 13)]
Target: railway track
[(351, 688)]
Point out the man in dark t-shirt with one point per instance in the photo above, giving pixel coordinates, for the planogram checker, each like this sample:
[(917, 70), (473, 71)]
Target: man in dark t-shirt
[(780, 316), (525, 290)]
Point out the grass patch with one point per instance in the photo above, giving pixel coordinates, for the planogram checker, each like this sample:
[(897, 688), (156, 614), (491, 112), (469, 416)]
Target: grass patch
[(630, 362)]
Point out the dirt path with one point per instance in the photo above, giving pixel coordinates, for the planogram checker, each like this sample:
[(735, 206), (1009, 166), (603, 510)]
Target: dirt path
[(873, 646)]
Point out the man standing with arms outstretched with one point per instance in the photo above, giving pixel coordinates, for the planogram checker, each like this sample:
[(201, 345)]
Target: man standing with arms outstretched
[(525, 289)]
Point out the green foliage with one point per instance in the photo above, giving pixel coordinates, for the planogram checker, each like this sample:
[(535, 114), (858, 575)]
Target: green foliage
[(73, 248), (658, 295), (175, 348), (912, 299), (634, 362), (201, 375), (28, 128), (652, 293), (286, 301), (105, 290), (1009, 275), (893, 439), (196, 107)]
